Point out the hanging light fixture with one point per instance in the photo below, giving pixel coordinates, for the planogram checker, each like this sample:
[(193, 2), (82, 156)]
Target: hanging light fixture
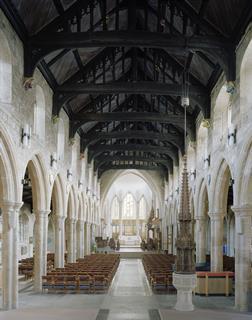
[(184, 278)]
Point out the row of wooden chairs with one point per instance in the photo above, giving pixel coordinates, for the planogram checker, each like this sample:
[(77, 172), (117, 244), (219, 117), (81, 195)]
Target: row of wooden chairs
[(75, 283), (159, 271), (91, 274), (26, 266)]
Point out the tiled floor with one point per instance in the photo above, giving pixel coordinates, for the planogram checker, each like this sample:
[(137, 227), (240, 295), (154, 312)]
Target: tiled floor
[(129, 298)]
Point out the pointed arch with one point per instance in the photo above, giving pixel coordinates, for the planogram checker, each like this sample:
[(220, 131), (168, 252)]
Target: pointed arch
[(219, 186)]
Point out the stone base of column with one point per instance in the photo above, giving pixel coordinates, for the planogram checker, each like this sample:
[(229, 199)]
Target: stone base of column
[(184, 283)]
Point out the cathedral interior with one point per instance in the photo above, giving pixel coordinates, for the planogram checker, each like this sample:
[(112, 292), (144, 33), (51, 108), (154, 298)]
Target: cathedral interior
[(125, 159)]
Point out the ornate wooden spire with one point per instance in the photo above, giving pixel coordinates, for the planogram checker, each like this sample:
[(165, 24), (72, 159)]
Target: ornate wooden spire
[(185, 244)]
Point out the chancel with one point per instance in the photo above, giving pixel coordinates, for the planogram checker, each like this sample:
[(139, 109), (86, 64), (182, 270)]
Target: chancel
[(125, 159)]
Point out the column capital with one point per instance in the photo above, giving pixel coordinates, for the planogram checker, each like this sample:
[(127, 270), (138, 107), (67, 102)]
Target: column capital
[(244, 210), (11, 205), (216, 215), (11, 213), (42, 213), (201, 218), (59, 217), (72, 220)]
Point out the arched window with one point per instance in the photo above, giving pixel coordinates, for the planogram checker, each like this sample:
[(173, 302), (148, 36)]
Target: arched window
[(115, 208), (5, 70), (129, 210), (142, 208), (61, 140), (39, 113)]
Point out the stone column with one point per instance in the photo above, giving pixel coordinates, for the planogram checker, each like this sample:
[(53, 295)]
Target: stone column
[(80, 239), (87, 238), (200, 240), (71, 245), (120, 218), (216, 241), (243, 274), (39, 256), (164, 236), (59, 241), (137, 217), (10, 214), (45, 236), (170, 239)]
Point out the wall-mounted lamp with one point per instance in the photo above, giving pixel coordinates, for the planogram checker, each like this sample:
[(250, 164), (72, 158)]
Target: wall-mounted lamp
[(53, 160), (80, 184), (26, 182), (207, 162), (69, 175), (193, 174), (177, 190), (232, 135), (88, 191), (26, 135), (231, 182)]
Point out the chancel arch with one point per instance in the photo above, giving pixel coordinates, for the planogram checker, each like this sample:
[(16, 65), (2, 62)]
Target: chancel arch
[(129, 199)]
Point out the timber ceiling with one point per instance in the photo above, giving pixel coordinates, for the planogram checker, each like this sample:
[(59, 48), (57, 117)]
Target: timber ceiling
[(117, 67)]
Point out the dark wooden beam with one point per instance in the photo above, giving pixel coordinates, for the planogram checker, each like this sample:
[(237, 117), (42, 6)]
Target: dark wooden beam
[(68, 14), (41, 45), (92, 137), (60, 40), (94, 152), (116, 87), (176, 120), (130, 167), (109, 159)]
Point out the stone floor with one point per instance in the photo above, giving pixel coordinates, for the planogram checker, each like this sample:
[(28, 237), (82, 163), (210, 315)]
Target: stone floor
[(129, 298)]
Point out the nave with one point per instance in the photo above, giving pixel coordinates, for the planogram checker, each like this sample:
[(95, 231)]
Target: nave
[(129, 298), (104, 106)]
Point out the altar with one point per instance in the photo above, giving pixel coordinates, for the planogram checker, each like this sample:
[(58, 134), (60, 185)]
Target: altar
[(130, 241)]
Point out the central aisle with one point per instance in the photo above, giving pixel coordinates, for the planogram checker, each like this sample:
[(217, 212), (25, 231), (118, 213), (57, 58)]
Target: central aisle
[(128, 297), (130, 280)]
